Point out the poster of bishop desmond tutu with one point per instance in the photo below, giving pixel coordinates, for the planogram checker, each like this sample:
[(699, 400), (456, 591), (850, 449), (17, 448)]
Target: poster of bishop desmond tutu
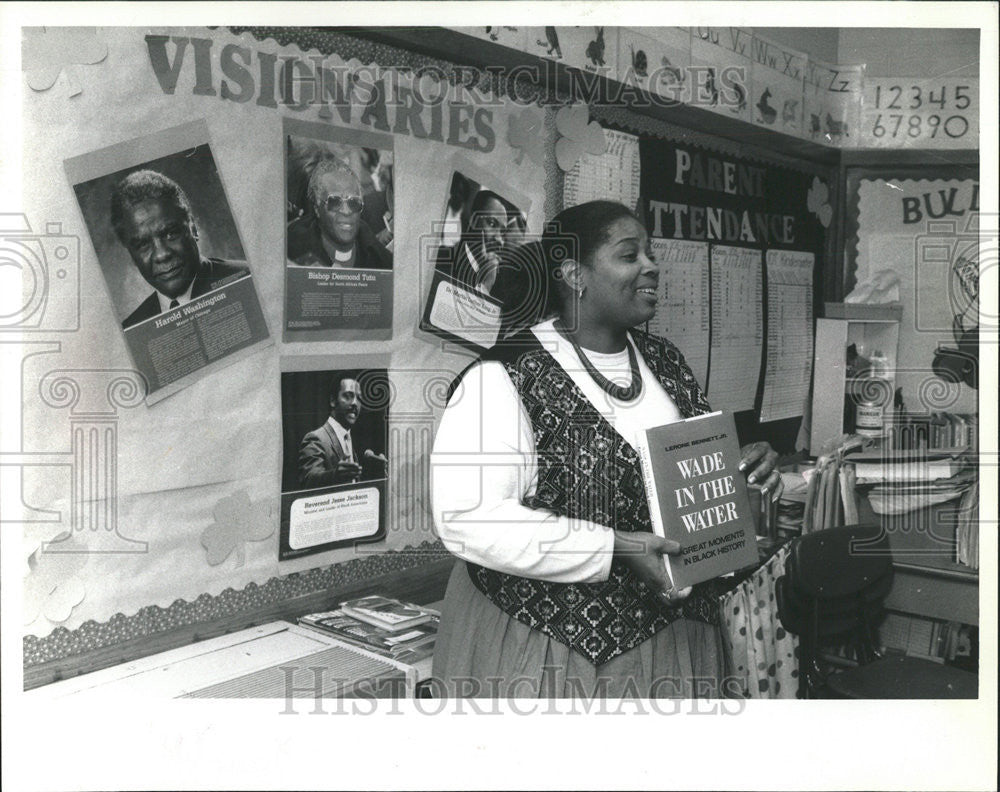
[(338, 233)]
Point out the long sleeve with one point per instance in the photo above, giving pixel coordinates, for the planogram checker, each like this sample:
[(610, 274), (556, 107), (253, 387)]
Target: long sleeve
[(482, 466), (314, 467)]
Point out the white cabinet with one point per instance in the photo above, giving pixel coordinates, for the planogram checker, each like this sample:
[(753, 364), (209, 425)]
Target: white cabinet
[(871, 328)]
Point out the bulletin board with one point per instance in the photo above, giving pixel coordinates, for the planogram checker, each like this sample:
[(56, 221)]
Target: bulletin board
[(149, 517), (922, 222), (802, 262), (186, 504), (762, 234)]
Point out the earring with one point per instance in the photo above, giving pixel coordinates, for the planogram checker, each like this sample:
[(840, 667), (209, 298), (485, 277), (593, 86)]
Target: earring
[(581, 292)]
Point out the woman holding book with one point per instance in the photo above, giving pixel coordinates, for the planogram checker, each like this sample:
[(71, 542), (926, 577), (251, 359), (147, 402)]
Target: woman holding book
[(561, 588)]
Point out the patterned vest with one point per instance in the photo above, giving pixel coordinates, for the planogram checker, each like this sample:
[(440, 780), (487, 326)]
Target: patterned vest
[(587, 471)]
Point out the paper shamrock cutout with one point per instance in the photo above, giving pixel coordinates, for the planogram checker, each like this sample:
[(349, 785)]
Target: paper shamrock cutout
[(237, 521), (525, 133), (818, 201), (578, 136), (52, 586), (45, 52)]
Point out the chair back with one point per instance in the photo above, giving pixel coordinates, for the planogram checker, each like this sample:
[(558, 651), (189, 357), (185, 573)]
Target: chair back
[(832, 591), (840, 563)]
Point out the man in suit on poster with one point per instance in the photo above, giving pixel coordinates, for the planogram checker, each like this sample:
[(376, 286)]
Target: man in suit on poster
[(327, 455), (151, 217)]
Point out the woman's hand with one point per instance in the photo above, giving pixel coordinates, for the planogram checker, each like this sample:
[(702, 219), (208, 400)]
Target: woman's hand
[(758, 460), (643, 553)]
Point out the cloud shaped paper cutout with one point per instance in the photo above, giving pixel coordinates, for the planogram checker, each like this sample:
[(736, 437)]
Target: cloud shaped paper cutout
[(52, 586), (237, 521), (579, 135), (525, 133), (818, 201), (45, 52)]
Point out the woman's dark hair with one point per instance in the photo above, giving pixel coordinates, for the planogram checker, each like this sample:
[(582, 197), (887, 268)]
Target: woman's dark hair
[(338, 380), (524, 287), (529, 283), (458, 192), (575, 233)]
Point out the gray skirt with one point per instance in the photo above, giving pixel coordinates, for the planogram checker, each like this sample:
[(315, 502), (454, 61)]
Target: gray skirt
[(482, 652)]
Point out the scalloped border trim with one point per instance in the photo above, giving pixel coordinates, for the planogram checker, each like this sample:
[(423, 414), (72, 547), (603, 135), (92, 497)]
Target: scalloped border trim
[(626, 120), (879, 173), (307, 42), (153, 619)]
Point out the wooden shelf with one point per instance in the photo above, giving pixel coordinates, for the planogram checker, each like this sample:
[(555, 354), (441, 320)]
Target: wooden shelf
[(949, 570), (463, 49), (948, 595), (469, 51), (909, 158), (460, 48)]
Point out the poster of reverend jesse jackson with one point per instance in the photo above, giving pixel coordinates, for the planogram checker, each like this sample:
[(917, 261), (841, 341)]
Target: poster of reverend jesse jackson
[(167, 244), (334, 463)]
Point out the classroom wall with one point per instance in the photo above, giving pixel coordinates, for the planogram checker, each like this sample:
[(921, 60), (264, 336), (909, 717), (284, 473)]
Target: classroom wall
[(888, 52), (911, 52), (916, 53), (208, 458), (820, 43)]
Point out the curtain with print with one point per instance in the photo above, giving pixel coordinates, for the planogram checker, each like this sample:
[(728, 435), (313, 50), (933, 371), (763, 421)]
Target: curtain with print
[(764, 654)]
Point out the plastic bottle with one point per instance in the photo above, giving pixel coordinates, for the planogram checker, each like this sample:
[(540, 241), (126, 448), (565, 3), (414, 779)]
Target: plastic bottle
[(873, 395)]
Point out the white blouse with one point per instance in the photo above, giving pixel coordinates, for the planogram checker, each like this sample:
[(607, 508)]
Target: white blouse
[(484, 464)]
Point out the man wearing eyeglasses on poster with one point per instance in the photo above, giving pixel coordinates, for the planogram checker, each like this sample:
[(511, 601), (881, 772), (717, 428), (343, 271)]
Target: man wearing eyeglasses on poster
[(334, 235)]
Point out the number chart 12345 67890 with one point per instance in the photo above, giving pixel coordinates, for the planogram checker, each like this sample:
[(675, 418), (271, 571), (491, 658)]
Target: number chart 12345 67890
[(933, 113)]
